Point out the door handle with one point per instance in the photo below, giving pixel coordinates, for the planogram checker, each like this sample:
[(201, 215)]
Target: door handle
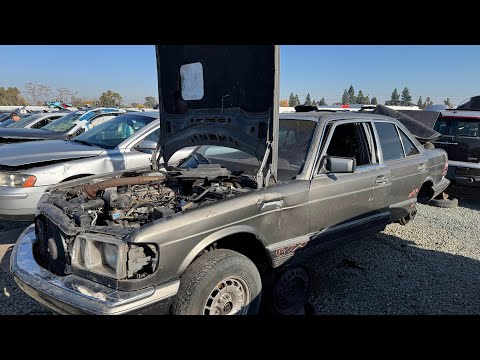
[(422, 167), (381, 180)]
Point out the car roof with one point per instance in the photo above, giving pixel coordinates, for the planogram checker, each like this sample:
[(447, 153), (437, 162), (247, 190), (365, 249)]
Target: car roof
[(320, 116), (153, 114)]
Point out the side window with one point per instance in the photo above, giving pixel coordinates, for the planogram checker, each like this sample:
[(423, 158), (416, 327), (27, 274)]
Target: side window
[(408, 145), (40, 124), (153, 136), (350, 140), (389, 141), (441, 126)]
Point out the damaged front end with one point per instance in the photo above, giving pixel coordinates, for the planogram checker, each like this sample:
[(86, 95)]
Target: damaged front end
[(83, 229)]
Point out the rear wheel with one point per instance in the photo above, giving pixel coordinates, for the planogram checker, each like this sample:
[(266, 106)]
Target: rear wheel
[(221, 282), (291, 291)]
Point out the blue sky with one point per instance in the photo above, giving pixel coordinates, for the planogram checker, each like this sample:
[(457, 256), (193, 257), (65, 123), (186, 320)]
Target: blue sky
[(324, 71)]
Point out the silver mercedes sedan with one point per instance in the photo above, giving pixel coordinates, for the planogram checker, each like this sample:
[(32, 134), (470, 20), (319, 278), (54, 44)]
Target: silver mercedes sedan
[(27, 169)]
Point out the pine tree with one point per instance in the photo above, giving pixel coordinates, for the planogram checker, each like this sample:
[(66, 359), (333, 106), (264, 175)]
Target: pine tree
[(360, 98), (428, 102), (406, 97), (420, 102), (308, 101), (374, 101), (322, 101), (351, 95), (297, 100), (345, 97), (394, 99), (291, 100), (366, 100)]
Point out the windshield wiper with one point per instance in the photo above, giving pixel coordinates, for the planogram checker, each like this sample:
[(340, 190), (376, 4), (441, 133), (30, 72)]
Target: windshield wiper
[(201, 156)]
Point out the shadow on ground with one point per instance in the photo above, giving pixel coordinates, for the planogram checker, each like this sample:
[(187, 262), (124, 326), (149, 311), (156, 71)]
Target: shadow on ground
[(468, 197)]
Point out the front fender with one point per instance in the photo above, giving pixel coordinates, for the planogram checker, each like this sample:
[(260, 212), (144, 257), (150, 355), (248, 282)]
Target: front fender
[(210, 239)]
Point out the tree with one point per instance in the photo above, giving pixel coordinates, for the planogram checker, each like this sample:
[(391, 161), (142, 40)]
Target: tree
[(291, 100), (284, 103), (428, 102), (374, 101), (406, 97), (37, 93), (78, 102), (366, 100), (351, 95), (11, 96), (360, 99), (394, 99), (65, 94), (314, 102), (345, 97), (110, 98), (448, 103), (137, 105), (308, 100), (420, 102), (150, 102), (322, 101), (297, 100)]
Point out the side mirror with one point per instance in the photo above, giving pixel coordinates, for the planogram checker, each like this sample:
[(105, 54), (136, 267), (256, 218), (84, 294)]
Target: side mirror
[(146, 146), (340, 165)]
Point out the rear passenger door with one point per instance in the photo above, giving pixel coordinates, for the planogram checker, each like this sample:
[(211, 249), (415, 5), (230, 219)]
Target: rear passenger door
[(349, 205), (406, 165)]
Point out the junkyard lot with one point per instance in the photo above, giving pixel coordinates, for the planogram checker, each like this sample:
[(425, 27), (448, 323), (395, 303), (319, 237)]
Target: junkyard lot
[(430, 266)]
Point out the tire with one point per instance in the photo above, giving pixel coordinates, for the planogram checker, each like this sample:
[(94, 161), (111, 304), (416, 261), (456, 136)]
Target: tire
[(444, 203), (223, 278)]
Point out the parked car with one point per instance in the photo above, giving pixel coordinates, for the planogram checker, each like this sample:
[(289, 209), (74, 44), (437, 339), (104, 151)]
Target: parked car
[(460, 128), (233, 223), (27, 169), (35, 121), (6, 119), (66, 127)]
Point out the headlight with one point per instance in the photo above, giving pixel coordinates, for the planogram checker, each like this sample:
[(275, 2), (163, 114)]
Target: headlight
[(110, 253), (111, 257), (17, 180)]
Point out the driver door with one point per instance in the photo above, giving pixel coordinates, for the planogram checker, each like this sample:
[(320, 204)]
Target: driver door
[(136, 157), (346, 206)]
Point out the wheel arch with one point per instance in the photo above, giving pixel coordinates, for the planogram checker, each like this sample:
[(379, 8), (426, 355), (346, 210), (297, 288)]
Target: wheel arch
[(254, 247)]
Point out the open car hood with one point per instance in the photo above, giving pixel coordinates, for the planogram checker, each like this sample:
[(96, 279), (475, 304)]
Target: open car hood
[(418, 129), (219, 95)]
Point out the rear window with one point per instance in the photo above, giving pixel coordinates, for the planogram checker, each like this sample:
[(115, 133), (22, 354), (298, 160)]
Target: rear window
[(458, 126), (389, 141)]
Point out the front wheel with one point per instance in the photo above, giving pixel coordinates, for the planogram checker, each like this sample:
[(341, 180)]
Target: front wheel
[(221, 282)]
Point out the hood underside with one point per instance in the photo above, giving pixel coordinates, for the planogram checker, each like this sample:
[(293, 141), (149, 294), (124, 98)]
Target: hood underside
[(218, 95), (48, 150), (421, 131)]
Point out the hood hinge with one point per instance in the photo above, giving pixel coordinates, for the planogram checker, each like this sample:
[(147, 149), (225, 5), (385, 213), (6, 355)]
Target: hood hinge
[(261, 180)]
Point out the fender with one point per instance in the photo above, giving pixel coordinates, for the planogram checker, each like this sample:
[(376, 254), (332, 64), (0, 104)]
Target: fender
[(220, 234)]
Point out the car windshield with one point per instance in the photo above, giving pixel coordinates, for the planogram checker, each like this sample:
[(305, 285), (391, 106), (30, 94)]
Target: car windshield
[(23, 122), (111, 133), (67, 122), (293, 144)]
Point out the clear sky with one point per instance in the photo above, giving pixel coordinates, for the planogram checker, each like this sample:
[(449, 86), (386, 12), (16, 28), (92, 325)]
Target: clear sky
[(323, 71)]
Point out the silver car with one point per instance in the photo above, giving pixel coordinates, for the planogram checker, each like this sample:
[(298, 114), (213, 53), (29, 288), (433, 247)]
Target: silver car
[(27, 169), (35, 121)]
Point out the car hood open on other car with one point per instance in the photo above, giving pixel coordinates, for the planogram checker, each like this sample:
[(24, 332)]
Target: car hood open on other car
[(220, 95)]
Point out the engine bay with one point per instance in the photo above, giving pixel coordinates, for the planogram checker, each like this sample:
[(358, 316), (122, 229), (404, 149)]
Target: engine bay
[(133, 201)]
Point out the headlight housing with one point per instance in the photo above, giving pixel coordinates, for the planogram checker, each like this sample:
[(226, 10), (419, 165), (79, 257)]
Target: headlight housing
[(111, 257), (17, 180)]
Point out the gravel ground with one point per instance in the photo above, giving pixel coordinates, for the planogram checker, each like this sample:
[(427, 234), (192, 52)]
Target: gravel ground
[(430, 266)]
